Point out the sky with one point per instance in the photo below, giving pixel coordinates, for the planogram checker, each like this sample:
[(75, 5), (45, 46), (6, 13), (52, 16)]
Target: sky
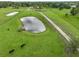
[(39, 0)]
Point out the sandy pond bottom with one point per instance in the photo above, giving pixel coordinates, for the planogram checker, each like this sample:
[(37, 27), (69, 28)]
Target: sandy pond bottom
[(33, 24), (12, 14)]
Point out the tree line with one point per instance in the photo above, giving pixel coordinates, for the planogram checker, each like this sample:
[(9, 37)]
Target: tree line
[(40, 4), (59, 5)]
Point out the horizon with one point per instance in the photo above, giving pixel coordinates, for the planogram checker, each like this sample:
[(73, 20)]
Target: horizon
[(40, 0)]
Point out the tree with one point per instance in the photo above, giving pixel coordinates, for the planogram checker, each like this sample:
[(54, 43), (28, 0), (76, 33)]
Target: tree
[(73, 11)]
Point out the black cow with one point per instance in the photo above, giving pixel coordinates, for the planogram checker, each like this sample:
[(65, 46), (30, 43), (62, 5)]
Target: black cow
[(22, 45), (11, 51)]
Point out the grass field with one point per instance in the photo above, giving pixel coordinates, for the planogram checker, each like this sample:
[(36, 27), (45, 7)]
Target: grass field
[(48, 43), (69, 23)]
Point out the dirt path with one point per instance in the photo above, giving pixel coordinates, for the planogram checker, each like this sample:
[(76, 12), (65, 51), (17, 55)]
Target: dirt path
[(57, 28)]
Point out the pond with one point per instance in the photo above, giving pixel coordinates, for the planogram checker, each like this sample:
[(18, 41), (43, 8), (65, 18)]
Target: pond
[(33, 24)]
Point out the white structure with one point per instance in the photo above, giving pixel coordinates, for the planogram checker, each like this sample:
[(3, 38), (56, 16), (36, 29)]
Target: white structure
[(33, 24), (12, 14), (73, 6)]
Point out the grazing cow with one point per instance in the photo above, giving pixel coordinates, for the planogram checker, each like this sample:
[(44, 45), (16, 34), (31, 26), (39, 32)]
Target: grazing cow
[(11, 51), (22, 45)]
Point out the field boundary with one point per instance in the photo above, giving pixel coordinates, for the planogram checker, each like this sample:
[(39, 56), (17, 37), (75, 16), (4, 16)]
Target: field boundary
[(68, 39)]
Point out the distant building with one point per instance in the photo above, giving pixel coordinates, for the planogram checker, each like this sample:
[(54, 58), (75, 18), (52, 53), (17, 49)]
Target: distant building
[(73, 6)]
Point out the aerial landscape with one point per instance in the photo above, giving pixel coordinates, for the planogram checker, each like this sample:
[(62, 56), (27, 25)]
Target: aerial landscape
[(39, 29)]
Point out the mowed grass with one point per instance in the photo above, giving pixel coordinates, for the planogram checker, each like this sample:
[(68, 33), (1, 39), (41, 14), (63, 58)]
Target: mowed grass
[(69, 23), (48, 43)]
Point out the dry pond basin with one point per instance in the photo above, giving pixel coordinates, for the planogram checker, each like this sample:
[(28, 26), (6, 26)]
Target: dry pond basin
[(12, 14)]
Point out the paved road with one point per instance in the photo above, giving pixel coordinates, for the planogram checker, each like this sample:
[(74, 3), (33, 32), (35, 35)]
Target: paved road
[(57, 27)]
